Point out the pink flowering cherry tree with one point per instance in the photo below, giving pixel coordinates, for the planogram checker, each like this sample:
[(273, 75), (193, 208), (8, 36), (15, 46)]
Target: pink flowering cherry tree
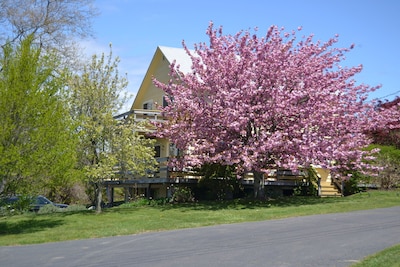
[(268, 102)]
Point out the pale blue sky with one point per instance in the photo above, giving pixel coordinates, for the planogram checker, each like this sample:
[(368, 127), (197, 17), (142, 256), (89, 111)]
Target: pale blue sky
[(136, 28)]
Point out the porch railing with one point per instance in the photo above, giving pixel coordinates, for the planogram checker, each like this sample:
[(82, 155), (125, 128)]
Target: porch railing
[(142, 115)]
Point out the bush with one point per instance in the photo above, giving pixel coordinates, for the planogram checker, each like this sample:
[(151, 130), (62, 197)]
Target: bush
[(142, 201), (219, 182), (15, 205), (6, 210), (306, 190), (182, 194), (138, 202), (49, 209), (355, 184), (389, 159)]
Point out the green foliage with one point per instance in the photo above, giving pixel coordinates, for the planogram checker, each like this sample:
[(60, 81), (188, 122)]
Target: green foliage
[(216, 170), (107, 148), (219, 188), (37, 145), (48, 209), (133, 152), (273, 193), (20, 206), (388, 151), (306, 190), (312, 188), (219, 182), (94, 97), (388, 159), (182, 194), (353, 185), (143, 201)]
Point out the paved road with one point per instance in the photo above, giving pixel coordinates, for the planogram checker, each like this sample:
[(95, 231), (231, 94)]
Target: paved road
[(319, 240)]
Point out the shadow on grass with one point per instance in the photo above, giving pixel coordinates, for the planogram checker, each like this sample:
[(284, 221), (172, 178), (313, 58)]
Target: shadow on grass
[(235, 204), (28, 226), (254, 204)]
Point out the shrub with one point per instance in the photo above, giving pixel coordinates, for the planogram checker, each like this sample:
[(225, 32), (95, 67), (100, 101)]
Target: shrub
[(306, 190), (219, 182), (49, 209), (389, 159), (13, 206), (142, 201), (182, 194)]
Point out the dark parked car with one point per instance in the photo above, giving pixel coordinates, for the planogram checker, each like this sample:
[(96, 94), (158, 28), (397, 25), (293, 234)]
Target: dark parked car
[(35, 202)]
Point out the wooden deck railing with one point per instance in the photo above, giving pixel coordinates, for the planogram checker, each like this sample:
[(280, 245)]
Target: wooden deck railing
[(142, 115)]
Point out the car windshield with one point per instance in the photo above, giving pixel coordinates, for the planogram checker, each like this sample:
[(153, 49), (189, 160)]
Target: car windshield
[(42, 201)]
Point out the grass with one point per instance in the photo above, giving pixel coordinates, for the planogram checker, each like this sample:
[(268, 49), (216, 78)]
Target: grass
[(129, 218), (389, 257)]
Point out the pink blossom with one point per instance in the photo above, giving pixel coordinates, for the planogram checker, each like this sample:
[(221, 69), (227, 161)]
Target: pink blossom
[(261, 102)]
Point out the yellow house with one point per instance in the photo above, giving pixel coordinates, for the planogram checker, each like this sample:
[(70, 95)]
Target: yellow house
[(149, 97), (145, 107)]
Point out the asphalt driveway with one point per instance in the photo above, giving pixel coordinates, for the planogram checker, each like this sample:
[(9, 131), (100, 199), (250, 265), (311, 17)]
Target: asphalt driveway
[(319, 240)]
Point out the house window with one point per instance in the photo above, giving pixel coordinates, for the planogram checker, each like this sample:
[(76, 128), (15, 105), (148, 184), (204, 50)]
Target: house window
[(174, 151), (148, 105), (157, 150), (164, 103)]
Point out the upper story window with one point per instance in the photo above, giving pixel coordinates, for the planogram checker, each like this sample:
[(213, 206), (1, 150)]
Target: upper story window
[(148, 105), (165, 103), (157, 149)]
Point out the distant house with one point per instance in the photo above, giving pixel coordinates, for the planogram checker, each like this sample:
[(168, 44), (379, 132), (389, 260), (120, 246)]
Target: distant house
[(144, 107)]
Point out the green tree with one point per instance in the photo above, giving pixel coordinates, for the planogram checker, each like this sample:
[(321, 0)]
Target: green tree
[(107, 147), (133, 152), (389, 159), (37, 152)]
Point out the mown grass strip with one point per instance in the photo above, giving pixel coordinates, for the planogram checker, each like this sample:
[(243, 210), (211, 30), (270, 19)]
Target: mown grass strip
[(389, 257), (132, 219)]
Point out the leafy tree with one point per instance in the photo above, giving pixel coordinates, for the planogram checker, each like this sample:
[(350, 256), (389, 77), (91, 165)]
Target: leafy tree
[(107, 147), (268, 102), (134, 152), (389, 159), (37, 152)]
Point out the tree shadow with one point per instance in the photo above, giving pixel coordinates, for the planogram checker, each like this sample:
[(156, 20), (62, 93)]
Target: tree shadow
[(293, 201), (28, 226)]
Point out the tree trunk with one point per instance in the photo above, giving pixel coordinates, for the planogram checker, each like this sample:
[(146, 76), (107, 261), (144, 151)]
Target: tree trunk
[(259, 188), (2, 184), (98, 195)]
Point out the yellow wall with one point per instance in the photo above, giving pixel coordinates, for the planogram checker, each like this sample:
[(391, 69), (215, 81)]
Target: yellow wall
[(164, 144), (159, 69), (148, 92)]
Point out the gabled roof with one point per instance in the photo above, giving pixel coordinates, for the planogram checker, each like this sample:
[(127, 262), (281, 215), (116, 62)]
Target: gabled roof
[(178, 54), (163, 55)]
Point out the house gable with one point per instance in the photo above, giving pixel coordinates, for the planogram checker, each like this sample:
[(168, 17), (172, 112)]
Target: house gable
[(148, 95)]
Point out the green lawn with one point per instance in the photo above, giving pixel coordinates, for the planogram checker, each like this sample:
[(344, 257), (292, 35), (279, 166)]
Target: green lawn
[(389, 257), (131, 219)]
